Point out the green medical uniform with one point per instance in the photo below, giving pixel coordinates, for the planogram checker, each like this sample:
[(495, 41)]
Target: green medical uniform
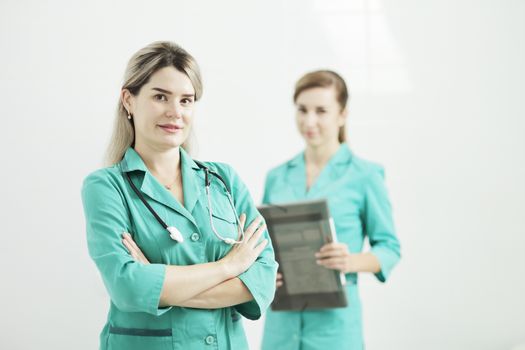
[(135, 320), (359, 205)]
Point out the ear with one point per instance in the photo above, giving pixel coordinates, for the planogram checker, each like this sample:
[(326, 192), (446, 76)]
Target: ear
[(343, 116), (127, 100)]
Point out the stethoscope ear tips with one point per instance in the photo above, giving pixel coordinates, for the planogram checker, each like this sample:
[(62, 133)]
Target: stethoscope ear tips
[(175, 234)]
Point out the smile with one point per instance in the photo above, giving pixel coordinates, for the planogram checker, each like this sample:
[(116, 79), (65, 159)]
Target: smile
[(170, 128)]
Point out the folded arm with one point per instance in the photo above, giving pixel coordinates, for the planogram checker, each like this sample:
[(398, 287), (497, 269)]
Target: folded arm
[(228, 293), (209, 285)]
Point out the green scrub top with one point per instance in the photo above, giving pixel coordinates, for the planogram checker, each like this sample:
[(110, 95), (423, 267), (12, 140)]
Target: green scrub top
[(358, 202), (135, 320)]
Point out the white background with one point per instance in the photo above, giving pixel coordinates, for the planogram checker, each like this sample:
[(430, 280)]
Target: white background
[(437, 98)]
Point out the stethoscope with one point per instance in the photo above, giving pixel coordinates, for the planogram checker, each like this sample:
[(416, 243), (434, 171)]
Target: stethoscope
[(173, 231)]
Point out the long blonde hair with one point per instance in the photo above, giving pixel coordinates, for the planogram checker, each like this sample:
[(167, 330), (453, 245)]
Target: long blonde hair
[(141, 66), (325, 78)]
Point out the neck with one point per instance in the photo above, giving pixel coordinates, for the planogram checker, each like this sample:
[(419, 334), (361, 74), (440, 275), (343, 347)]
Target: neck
[(163, 164), (319, 155)]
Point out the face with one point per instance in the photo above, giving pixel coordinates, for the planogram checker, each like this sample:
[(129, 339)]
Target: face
[(319, 116), (162, 111)]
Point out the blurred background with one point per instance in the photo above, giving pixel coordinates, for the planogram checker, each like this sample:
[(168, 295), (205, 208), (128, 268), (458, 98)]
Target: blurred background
[(437, 97)]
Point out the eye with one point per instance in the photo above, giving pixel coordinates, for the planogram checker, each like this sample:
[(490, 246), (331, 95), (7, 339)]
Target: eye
[(187, 101), (161, 97), (301, 110), (321, 111)]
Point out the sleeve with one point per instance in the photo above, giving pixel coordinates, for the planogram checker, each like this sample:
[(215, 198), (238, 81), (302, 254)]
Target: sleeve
[(268, 184), (260, 277), (379, 224), (132, 286)]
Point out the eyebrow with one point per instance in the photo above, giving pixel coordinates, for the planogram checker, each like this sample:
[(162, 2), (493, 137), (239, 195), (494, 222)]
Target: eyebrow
[(304, 106), (170, 93)]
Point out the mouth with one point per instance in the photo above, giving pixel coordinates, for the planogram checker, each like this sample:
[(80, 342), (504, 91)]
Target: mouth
[(309, 134), (170, 128)]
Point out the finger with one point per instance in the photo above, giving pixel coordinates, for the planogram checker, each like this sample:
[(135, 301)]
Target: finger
[(128, 243), (252, 227), (330, 253), (254, 239), (132, 242), (127, 237), (134, 249), (333, 245), (278, 284), (279, 275), (336, 249), (132, 252), (332, 262), (143, 259), (242, 220), (240, 228), (128, 247), (334, 265), (326, 246), (260, 247)]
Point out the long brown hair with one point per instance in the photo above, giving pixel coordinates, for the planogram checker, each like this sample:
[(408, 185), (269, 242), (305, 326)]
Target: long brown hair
[(325, 78)]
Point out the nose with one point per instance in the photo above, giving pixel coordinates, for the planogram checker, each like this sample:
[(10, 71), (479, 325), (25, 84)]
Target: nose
[(310, 119), (174, 110)]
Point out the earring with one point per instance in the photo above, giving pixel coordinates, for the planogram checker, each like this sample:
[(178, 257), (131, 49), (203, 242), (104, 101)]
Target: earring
[(129, 116)]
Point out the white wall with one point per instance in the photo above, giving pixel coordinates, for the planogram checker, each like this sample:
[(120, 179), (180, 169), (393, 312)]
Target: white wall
[(437, 97)]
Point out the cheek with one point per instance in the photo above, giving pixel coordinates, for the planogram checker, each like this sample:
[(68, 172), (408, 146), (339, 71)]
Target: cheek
[(329, 124), (299, 123), (148, 112), (187, 116)]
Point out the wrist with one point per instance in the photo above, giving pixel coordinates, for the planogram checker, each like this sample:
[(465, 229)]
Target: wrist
[(351, 263), (226, 269)]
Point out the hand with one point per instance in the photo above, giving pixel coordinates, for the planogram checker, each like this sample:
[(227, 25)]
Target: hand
[(279, 280), (335, 256), (134, 249), (243, 255)]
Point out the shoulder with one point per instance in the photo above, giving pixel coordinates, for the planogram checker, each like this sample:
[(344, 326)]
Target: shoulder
[(366, 167), (282, 169), (104, 179), (369, 175), (220, 168)]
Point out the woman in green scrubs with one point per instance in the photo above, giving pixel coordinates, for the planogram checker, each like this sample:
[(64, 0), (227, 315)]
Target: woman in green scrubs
[(358, 203), (199, 267)]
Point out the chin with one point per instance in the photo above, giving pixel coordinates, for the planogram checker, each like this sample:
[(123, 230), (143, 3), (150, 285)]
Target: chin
[(313, 142), (172, 143)]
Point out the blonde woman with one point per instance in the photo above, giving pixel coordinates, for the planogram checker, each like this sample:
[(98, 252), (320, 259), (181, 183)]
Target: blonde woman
[(164, 230), (358, 203)]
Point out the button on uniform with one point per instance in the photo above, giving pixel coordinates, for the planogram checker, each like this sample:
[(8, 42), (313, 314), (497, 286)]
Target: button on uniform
[(195, 236), (209, 340)]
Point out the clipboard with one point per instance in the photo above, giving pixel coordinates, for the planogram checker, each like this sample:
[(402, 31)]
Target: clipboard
[(298, 230)]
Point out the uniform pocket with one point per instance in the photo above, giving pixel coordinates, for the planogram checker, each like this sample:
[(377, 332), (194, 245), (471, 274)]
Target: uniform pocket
[(139, 338), (222, 218)]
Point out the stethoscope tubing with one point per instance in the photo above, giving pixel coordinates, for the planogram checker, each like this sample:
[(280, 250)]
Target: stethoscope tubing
[(207, 182)]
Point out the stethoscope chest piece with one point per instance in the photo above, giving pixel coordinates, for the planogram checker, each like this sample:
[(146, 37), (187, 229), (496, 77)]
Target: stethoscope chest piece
[(175, 234)]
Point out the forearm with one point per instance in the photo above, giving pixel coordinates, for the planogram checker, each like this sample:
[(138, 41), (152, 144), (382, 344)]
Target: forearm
[(182, 283), (363, 262), (228, 293)]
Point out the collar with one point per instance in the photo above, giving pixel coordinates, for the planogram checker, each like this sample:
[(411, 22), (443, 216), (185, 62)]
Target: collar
[(192, 181), (132, 161), (343, 155), (333, 170)]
